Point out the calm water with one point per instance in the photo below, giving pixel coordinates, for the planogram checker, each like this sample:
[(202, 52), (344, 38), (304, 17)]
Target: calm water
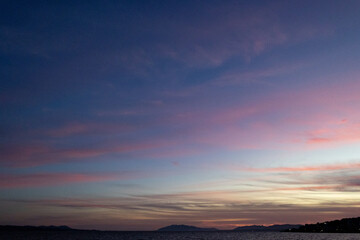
[(92, 235)]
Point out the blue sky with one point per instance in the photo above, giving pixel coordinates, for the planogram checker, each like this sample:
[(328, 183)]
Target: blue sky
[(132, 115)]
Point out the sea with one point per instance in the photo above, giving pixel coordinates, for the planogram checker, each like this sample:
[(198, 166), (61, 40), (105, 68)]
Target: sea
[(221, 235)]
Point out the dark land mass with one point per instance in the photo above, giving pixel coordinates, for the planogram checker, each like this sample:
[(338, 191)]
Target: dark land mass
[(252, 228), (35, 228), (272, 228), (185, 228), (345, 225)]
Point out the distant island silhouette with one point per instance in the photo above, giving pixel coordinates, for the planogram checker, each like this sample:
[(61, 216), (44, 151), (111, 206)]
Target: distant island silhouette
[(251, 228), (34, 228), (345, 225), (185, 228)]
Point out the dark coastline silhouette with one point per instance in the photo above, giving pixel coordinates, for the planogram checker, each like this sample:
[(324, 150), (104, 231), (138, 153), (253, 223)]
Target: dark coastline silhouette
[(345, 225), (272, 228), (35, 228)]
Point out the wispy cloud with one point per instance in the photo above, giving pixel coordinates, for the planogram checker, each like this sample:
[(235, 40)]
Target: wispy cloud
[(34, 155), (333, 167), (241, 126), (247, 34), (198, 211), (335, 134), (55, 179)]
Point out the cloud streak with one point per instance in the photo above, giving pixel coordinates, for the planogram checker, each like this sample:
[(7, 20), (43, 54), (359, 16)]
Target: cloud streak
[(202, 212), (35, 155), (334, 167), (43, 179)]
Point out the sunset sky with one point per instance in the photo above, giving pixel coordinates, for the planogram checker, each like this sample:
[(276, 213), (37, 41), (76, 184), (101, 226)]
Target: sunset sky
[(134, 115)]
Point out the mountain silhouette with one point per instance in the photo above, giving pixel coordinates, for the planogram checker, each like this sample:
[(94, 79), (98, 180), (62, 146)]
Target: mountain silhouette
[(185, 228)]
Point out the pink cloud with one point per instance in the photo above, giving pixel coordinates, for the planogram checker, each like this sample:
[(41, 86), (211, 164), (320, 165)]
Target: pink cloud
[(11, 153), (331, 117), (34, 155), (88, 128), (309, 188), (175, 163), (54, 179), (318, 140), (336, 133), (315, 117), (172, 151), (333, 167)]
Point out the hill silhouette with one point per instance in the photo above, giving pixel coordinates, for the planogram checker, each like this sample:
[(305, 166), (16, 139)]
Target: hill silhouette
[(185, 228), (345, 225), (252, 228), (34, 228), (272, 228)]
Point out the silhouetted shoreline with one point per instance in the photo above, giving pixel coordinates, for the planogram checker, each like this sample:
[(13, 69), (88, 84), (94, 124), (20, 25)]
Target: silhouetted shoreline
[(345, 225)]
